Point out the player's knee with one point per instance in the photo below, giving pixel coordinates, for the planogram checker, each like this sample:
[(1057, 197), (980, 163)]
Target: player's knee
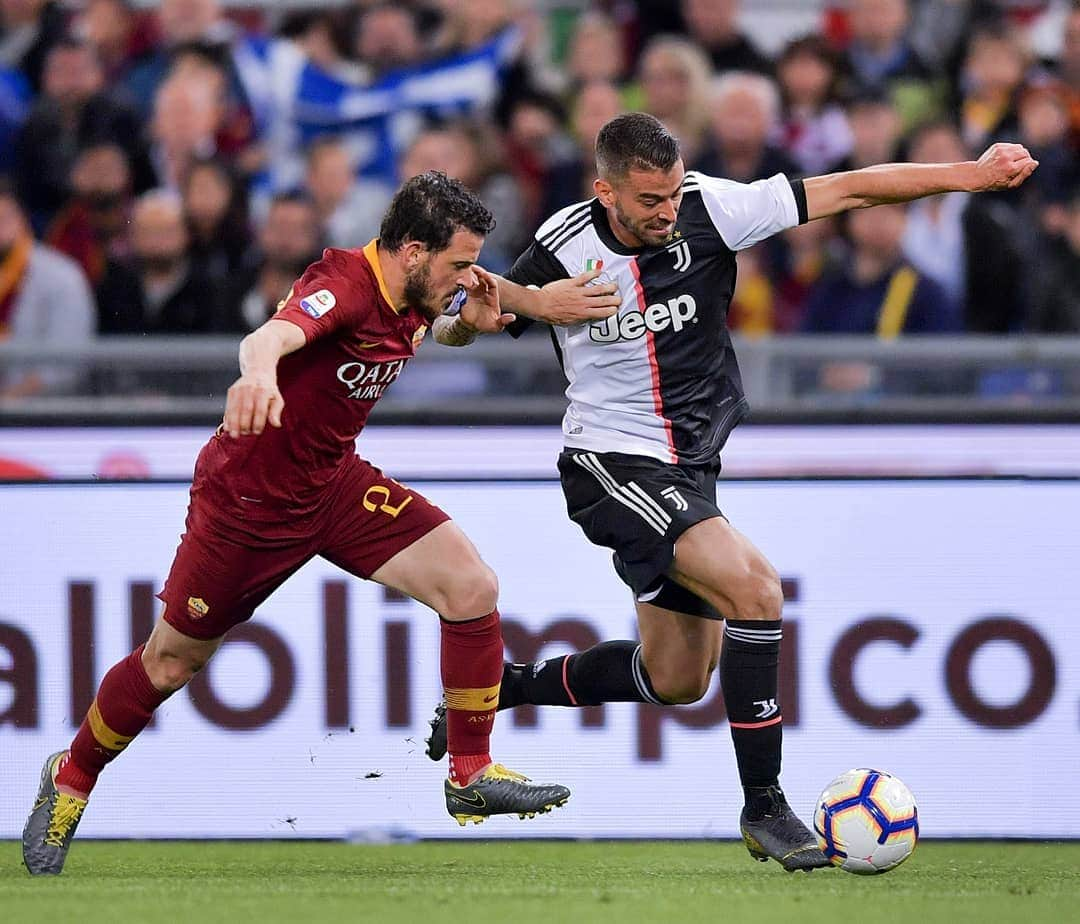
[(680, 688), (473, 593), (169, 671), (761, 595)]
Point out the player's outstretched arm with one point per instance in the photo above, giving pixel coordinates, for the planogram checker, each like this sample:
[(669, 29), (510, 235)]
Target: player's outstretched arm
[(1002, 166), (563, 302), (253, 399)]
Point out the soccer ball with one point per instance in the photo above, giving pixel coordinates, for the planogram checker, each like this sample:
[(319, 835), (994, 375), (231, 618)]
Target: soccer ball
[(867, 822)]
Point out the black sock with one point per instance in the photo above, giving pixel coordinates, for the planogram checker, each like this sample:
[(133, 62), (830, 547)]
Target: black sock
[(611, 672), (748, 677)]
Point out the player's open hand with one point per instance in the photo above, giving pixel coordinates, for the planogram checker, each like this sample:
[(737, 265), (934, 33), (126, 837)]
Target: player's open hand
[(571, 301), (482, 311), (1004, 166), (251, 403)]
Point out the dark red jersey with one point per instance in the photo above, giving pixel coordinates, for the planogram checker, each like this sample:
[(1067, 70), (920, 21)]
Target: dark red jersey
[(357, 345)]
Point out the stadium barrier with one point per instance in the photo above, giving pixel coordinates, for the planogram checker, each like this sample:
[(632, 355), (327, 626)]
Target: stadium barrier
[(931, 632), (138, 452), (502, 381)]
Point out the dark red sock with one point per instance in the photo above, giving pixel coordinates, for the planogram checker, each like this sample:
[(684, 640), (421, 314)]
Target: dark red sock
[(123, 706), (472, 666)]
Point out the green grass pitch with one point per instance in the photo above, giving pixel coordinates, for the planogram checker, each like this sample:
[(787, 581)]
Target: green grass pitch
[(524, 882)]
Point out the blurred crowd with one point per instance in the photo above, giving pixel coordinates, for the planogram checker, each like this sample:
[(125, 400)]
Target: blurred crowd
[(173, 168)]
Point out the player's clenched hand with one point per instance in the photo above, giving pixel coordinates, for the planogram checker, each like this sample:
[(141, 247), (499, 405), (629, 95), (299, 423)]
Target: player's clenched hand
[(1003, 166), (571, 301), (251, 401), (482, 311)]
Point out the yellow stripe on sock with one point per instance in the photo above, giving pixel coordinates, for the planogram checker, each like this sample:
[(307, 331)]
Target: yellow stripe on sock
[(106, 737), (481, 699)]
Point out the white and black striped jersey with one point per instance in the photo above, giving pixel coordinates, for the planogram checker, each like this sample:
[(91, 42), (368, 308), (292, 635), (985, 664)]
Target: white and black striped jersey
[(660, 378)]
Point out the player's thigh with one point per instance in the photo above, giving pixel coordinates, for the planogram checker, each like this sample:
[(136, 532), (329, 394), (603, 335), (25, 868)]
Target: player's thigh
[(637, 507), (387, 532), (444, 571), (222, 572), (719, 564), (680, 651)]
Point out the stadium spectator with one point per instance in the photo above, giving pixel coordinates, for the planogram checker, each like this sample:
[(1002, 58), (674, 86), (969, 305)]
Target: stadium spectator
[(234, 136), (168, 296), (775, 278), (814, 129), (877, 291), (674, 75), (538, 148), (187, 115), (876, 129), (713, 24), (744, 112), (1045, 131), (468, 25), (466, 152), (1068, 70), (571, 180), (1056, 302), (15, 102), (937, 29), (595, 51), (215, 207), (73, 111), (949, 238), (810, 251), (120, 35), (289, 240), (30, 29), (880, 57), (348, 208), (323, 38), (989, 86), (94, 228), (468, 28), (388, 39), (44, 299), (184, 23)]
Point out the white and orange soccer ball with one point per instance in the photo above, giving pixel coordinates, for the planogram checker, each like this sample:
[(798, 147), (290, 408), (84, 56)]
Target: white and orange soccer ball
[(867, 822)]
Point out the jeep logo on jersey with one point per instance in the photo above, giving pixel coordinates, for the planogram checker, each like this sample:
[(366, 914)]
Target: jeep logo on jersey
[(368, 381), (676, 313)]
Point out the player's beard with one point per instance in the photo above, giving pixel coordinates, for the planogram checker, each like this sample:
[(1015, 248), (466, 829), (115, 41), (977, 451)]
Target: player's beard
[(648, 237), (418, 292)]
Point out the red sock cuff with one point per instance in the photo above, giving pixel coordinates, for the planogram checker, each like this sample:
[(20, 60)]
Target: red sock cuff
[(472, 626), (142, 690)]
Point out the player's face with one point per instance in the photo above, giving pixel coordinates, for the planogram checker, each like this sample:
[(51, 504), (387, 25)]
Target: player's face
[(433, 282), (643, 205)]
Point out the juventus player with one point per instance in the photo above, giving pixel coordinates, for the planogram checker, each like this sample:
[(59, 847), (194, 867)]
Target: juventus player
[(654, 393)]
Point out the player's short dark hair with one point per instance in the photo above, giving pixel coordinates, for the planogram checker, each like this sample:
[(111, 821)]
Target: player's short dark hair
[(634, 141), (430, 208)]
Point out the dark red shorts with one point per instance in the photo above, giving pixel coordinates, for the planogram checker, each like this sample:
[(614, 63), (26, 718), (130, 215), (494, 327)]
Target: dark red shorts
[(223, 569)]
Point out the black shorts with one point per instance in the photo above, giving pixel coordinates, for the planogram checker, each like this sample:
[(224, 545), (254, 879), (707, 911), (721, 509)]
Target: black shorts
[(638, 507)]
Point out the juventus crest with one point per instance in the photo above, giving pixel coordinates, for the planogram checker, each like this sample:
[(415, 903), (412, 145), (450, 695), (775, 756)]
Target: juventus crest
[(681, 251)]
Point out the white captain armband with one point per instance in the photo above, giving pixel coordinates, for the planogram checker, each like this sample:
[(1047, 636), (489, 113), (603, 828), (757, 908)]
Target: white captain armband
[(456, 303)]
